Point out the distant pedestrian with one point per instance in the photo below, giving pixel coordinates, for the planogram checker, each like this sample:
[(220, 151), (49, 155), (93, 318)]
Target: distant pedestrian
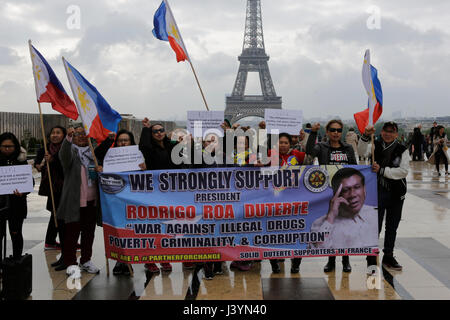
[(440, 142), (417, 142)]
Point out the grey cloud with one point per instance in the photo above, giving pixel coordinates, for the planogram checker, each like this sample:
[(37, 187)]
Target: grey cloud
[(8, 56), (391, 33), (319, 71)]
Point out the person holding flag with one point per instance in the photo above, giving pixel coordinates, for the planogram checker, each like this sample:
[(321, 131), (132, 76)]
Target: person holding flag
[(80, 206), (390, 160), (391, 165), (49, 89)]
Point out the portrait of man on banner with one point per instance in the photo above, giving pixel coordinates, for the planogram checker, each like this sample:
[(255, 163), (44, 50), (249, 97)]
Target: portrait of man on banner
[(349, 222)]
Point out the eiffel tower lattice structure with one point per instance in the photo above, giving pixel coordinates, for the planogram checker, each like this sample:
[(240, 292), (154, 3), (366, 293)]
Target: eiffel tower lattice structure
[(252, 59)]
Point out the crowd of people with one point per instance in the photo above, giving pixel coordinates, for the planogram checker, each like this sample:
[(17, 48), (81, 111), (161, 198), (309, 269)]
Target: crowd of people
[(434, 145), (74, 171)]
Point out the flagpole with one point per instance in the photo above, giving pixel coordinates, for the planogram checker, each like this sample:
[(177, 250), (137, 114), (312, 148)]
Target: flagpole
[(188, 58), (373, 147), (44, 139), (198, 83)]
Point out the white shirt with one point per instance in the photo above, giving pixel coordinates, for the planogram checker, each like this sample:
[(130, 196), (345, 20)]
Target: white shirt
[(361, 231)]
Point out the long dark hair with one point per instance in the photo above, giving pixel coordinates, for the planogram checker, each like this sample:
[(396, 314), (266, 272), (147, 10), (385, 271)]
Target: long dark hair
[(166, 140), (438, 128), (64, 130), (10, 136), (123, 131), (286, 135)]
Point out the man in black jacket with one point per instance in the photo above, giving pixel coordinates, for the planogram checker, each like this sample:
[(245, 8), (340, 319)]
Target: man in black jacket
[(391, 165)]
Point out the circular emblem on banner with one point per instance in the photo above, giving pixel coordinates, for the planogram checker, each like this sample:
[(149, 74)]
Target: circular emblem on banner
[(316, 179), (111, 183)]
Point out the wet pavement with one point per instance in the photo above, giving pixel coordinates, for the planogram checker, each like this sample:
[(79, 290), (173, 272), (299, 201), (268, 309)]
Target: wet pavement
[(423, 248)]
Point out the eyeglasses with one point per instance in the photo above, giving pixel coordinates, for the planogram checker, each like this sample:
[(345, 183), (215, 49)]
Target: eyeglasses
[(123, 140), (79, 134), (335, 129), (158, 130), (9, 146)]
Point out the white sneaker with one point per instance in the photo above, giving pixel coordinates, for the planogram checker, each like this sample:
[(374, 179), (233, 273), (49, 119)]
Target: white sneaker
[(73, 271), (89, 267)]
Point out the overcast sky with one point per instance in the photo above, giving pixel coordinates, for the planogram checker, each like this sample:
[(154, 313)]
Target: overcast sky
[(316, 51)]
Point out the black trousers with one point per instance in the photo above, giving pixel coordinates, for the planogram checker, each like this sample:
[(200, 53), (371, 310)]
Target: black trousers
[(437, 157), (15, 231), (391, 207), (417, 155)]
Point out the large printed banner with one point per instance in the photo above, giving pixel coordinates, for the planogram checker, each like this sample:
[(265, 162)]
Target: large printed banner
[(221, 214)]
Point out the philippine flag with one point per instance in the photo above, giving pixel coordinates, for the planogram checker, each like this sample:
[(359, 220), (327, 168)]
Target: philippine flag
[(373, 89), (165, 28), (97, 116), (48, 87)]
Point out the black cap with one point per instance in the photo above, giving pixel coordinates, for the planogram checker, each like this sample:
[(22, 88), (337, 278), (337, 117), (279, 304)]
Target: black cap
[(390, 124)]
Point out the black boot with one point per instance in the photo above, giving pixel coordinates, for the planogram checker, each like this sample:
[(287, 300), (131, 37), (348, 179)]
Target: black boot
[(275, 266), (60, 267), (58, 262), (208, 270), (390, 262), (346, 264), (118, 268), (295, 265), (330, 265)]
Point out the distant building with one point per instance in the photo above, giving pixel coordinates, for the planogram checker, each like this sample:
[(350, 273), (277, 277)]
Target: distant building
[(26, 125)]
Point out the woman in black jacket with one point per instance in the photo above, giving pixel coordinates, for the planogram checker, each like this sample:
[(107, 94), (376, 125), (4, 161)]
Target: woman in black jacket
[(11, 154), (157, 149), (333, 151), (156, 146), (55, 138)]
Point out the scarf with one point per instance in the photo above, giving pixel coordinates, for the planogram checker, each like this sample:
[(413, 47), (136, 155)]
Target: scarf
[(86, 159), (53, 148)]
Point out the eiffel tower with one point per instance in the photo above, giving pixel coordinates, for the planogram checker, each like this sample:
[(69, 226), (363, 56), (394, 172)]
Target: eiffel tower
[(252, 59)]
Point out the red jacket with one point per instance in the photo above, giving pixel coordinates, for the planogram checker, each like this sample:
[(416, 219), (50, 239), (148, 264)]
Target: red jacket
[(293, 158)]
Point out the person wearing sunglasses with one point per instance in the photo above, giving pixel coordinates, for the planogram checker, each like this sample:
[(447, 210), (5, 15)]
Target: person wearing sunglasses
[(157, 149), (333, 151)]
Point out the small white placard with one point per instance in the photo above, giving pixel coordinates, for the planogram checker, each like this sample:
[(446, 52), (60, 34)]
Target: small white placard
[(16, 178), (123, 159), (289, 121), (201, 123)]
